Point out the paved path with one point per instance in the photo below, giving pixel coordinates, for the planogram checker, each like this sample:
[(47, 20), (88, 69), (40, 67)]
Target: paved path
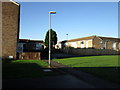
[(55, 64), (61, 81)]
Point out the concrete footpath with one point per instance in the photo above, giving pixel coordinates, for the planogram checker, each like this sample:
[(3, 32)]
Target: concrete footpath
[(91, 79), (59, 81)]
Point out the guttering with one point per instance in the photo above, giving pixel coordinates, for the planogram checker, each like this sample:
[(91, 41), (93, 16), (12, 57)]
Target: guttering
[(15, 2)]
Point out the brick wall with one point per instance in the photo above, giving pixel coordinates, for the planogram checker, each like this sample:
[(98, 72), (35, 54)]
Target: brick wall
[(10, 29), (109, 45), (80, 51), (30, 55), (117, 45), (97, 43)]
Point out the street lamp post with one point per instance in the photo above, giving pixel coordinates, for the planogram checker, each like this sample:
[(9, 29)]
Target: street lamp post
[(51, 12), (67, 43), (67, 36)]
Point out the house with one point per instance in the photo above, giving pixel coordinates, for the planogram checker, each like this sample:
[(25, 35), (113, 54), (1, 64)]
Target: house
[(27, 45), (97, 42), (10, 29)]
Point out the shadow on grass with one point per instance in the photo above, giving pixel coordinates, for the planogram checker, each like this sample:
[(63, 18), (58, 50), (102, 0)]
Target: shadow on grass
[(107, 73), (110, 74), (25, 70)]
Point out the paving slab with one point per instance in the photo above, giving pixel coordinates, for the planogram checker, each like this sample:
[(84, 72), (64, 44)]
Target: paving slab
[(61, 81)]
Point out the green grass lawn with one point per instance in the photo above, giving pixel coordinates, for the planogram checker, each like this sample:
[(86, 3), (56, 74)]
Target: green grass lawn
[(106, 67), (25, 68), (90, 61)]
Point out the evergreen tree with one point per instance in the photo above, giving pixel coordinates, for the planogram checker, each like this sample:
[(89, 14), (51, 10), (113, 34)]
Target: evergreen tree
[(53, 38)]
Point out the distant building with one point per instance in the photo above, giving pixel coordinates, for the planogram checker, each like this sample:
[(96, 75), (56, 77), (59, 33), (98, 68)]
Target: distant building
[(97, 42), (10, 29), (27, 45)]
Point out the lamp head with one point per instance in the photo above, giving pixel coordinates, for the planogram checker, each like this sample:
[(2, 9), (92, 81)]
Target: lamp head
[(52, 12)]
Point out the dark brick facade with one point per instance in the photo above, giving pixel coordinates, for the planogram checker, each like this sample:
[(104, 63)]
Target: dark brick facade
[(10, 29)]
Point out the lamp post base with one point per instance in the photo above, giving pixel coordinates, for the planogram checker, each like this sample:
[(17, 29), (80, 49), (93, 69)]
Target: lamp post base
[(49, 66)]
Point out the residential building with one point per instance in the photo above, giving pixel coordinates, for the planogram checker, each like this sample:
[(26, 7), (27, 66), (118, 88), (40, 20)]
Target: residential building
[(97, 42), (10, 29), (27, 45)]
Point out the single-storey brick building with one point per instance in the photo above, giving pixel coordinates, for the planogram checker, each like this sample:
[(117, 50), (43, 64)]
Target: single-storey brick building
[(10, 29), (97, 42), (27, 45)]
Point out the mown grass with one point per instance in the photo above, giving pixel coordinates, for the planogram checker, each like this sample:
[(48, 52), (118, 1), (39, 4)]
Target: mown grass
[(25, 69), (90, 61), (106, 67), (108, 73)]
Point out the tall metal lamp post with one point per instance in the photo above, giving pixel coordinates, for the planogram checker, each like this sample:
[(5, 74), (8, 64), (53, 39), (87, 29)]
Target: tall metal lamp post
[(67, 42), (51, 12), (67, 36)]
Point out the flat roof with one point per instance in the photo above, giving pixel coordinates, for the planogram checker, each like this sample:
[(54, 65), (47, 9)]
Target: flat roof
[(28, 40)]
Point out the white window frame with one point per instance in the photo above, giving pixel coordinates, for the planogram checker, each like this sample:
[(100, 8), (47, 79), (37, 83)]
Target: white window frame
[(87, 44), (114, 45)]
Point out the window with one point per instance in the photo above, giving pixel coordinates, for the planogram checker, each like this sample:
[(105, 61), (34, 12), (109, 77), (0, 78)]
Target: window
[(82, 42), (66, 44), (114, 45), (86, 44), (104, 44)]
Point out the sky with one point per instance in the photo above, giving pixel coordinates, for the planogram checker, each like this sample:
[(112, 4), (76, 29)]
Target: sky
[(77, 19)]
